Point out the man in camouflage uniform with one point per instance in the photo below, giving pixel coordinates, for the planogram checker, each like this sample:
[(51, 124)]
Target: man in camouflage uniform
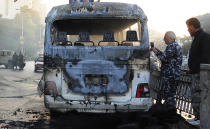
[(171, 61)]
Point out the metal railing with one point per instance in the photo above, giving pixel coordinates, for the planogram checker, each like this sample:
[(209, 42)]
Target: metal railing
[(183, 93)]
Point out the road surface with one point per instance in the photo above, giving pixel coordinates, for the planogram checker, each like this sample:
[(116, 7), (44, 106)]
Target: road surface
[(18, 95)]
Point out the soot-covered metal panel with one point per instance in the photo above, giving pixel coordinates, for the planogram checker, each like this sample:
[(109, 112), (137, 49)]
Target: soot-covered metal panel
[(116, 84), (111, 62), (96, 10), (97, 53)]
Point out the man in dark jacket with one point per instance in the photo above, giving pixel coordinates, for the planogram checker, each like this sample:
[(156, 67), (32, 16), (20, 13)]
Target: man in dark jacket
[(199, 54), (15, 60), (20, 61), (200, 48)]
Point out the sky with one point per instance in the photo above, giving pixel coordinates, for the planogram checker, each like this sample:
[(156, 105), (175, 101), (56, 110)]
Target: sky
[(163, 15)]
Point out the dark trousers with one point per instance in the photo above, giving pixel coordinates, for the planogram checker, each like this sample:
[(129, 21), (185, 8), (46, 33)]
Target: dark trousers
[(196, 95), (168, 91)]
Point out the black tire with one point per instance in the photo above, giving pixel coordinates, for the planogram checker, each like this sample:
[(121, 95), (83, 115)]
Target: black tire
[(54, 115)]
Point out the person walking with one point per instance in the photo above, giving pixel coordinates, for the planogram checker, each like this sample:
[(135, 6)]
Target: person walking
[(15, 60), (20, 61)]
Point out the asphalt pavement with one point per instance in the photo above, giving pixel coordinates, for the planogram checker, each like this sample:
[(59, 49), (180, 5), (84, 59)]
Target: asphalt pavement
[(18, 94)]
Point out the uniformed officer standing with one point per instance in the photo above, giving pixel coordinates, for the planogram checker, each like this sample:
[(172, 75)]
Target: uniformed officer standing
[(171, 61)]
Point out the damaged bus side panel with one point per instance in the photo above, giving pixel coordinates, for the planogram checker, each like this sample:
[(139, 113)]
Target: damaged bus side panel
[(96, 58)]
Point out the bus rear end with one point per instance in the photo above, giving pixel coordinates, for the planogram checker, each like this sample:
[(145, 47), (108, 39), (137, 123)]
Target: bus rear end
[(96, 64)]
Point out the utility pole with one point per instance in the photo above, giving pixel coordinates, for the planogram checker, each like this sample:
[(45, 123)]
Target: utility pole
[(40, 42), (22, 36), (22, 23), (22, 32), (40, 36)]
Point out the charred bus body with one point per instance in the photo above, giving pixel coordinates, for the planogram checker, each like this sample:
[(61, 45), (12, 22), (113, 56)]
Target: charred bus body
[(96, 58)]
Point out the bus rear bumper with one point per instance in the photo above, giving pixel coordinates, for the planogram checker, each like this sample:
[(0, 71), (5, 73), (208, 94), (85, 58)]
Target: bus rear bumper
[(61, 105)]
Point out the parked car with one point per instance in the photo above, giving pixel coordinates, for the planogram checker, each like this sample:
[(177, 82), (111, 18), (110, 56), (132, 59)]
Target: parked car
[(39, 61), (6, 58)]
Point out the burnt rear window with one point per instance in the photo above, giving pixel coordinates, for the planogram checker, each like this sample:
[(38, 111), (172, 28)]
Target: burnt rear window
[(96, 32)]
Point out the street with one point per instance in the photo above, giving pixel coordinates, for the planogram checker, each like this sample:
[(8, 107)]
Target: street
[(21, 107), (18, 90), (19, 100)]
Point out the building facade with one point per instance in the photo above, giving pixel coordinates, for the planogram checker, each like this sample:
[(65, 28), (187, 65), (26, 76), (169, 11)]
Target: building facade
[(9, 8)]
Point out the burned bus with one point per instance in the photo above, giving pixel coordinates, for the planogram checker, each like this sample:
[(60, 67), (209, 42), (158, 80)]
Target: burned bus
[(96, 58)]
